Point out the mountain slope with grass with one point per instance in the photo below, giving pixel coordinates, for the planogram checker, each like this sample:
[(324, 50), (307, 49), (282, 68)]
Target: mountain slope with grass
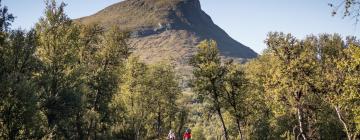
[(167, 29)]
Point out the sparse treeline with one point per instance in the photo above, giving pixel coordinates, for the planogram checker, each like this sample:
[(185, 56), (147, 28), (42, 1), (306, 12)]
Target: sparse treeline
[(298, 89), (62, 80)]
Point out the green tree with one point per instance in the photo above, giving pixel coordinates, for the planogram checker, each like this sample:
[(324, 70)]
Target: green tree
[(292, 83), (6, 18), (349, 102), (261, 122), (197, 133), (19, 115), (18, 105), (235, 87), (164, 90), (90, 37), (131, 98), (209, 78), (58, 44), (148, 94), (104, 56), (340, 79)]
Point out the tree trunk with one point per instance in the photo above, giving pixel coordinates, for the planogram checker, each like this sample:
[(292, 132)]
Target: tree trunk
[(9, 125), (300, 119), (239, 128), (355, 136), (12, 134), (137, 133), (159, 124), (88, 130), (91, 130), (79, 127), (222, 123), (348, 134), (182, 123)]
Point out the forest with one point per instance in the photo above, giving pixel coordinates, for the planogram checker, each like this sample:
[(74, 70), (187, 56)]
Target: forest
[(64, 80)]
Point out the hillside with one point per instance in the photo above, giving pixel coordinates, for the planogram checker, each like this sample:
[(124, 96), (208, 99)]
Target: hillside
[(167, 29)]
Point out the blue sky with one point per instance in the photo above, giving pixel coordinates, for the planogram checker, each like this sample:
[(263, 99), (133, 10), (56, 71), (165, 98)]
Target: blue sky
[(247, 21)]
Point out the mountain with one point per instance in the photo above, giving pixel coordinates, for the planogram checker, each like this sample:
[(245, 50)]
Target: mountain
[(167, 29)]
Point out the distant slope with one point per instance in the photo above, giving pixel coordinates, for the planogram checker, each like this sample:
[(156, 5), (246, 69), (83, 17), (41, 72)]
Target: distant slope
[(167, 29)]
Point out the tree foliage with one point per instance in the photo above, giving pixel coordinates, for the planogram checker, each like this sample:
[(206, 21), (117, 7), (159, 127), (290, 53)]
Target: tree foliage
[(63, 80), (346, 8)]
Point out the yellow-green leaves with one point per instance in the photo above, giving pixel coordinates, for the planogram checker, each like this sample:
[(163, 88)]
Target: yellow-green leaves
[(148, 94)]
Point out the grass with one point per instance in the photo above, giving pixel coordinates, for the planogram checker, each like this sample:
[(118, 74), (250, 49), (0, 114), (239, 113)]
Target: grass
[(127, 13)]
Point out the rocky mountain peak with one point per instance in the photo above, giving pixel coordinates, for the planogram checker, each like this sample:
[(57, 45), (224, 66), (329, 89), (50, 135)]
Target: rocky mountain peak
[(167, 29)]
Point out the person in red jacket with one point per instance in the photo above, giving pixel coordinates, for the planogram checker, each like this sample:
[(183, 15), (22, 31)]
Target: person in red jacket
[(187, 135)]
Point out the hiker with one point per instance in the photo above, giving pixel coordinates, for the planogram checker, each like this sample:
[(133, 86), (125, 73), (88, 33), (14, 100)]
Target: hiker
[(187, 134), (171, 135)]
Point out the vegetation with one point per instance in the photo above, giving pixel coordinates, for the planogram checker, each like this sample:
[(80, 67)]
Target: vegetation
[(346, 8), (63, 80)]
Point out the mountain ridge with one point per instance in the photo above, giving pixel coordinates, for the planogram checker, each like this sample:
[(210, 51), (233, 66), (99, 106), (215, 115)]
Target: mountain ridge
[(167, 29)]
